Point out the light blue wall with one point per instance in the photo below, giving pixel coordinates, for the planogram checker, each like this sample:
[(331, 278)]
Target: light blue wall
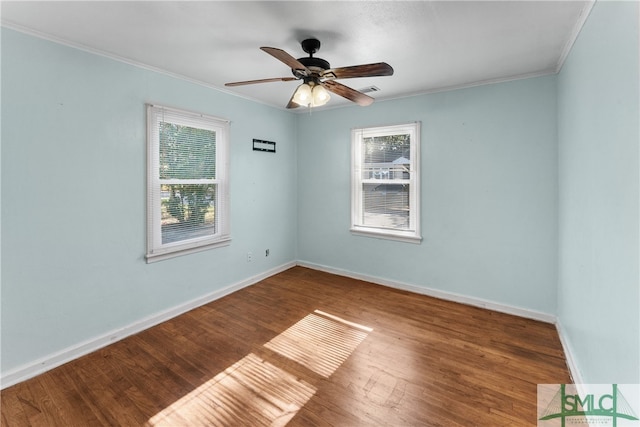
[(73, 197), (598, 196), (489, 193)]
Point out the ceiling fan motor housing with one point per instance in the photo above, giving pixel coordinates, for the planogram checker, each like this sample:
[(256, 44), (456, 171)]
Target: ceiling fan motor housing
[(315, 65)]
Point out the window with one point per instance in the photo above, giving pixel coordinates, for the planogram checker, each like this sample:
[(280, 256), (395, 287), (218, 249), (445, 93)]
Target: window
[(187, 182), (385, 182)]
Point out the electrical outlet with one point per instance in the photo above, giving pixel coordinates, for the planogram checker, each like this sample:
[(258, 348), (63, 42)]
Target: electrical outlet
[(249, 257), (266, 253)]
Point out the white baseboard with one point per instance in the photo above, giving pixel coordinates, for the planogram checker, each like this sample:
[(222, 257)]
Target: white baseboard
[(449, 296), (576, 376), (54, 360)]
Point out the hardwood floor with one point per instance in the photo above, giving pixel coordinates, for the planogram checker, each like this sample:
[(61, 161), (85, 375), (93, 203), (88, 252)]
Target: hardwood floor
[(306, 348)]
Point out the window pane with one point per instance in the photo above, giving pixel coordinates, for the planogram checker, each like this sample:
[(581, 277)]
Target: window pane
[(187, 152), (386, 206), (188, 211), (390, 149)]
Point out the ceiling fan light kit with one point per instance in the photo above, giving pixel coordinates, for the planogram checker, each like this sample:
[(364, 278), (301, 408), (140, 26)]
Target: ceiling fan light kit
[(319, 78)]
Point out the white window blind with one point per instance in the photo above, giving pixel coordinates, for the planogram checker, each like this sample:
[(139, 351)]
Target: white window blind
[(187, 182), (385, 182)]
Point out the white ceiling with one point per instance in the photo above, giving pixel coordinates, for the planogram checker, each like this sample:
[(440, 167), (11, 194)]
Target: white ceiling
[(432, 45)]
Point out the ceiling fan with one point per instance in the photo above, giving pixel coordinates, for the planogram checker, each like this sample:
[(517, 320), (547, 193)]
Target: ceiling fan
[(318, 77)]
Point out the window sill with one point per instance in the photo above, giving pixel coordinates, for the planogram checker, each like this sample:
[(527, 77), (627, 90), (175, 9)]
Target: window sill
[(407, 237), (175, 252)]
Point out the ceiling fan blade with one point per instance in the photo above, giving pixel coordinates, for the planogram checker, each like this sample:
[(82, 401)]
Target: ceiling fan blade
[(250, 82), (367, 70), (292, 104), (287, 59), (346, 92)]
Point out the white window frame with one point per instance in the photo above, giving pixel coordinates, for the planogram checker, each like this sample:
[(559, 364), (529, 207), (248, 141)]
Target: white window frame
[(156, 250), (412, 234)]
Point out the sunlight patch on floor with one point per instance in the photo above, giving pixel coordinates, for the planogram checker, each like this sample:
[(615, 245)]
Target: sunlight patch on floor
[(254, 392), (320, 341), (250, 392)]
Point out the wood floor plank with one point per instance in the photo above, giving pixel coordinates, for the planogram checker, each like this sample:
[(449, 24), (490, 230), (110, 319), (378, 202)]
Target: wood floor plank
[(389, 357), (11, 410)]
